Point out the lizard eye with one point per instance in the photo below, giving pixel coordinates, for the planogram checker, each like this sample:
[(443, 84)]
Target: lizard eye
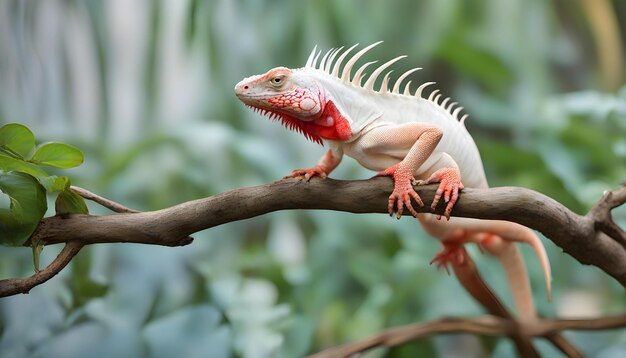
[(277, 81)]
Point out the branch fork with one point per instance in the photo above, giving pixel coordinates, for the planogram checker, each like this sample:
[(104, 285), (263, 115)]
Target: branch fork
[(602, 218)]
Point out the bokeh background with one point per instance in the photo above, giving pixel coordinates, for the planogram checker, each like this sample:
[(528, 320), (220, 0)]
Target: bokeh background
[(145, 89)]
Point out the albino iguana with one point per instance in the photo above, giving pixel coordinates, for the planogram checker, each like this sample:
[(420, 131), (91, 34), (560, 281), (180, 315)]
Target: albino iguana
[(399, 134)]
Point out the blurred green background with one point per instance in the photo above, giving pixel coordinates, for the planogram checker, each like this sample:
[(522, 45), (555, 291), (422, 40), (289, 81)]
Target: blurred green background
[(145, 88)]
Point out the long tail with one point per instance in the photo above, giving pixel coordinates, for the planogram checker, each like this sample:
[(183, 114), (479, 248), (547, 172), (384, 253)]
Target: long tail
[(512, 232), (511, 259)]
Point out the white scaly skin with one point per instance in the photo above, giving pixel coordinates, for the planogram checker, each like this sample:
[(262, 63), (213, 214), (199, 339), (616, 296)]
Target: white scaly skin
[(415, 140)]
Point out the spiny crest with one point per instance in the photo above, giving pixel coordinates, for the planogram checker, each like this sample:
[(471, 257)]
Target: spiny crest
[(326, 65)]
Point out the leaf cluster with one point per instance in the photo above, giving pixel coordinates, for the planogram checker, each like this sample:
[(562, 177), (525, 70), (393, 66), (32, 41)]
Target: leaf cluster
[(25, 180)]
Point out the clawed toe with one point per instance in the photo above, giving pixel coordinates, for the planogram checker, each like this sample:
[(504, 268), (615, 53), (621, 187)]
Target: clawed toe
[(401, 198), (402, 201), (306, 174)]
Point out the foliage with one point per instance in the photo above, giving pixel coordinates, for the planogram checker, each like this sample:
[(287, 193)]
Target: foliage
[(145, 89), (25, 182)]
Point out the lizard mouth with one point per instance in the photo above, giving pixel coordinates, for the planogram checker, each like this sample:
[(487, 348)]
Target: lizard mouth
[(289, 122)]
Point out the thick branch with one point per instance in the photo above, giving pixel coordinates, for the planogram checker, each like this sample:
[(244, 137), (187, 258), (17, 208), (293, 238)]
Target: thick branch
[(580, 236), (485, 325)]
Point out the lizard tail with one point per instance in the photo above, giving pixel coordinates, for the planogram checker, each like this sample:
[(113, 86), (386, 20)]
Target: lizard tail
[(517, 233), (540, 251), (511, 259)]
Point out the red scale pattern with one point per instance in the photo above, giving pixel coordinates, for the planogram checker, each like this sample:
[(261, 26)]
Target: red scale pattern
[(340, 130)]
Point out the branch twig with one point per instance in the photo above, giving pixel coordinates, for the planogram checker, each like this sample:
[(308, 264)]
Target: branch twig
[(107, 203), (24, 285), (601, 214)]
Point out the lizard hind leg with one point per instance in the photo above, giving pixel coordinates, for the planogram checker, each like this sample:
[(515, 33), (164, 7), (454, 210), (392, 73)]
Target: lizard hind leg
[(451, 254)]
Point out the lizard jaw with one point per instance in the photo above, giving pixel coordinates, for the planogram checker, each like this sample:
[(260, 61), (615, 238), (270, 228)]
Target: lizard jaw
[(289, 122)]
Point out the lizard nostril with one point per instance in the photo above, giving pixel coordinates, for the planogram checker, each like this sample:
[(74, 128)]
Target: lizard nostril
[(245, 87)]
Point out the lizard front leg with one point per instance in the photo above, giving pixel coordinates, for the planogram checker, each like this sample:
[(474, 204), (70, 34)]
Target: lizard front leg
[(418, 141), (327, 163)]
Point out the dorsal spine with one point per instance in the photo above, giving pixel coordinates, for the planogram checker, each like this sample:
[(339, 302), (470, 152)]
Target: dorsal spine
[(327, 66)]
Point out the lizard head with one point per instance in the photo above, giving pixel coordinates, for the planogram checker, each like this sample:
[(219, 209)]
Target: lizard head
[(297, 100)]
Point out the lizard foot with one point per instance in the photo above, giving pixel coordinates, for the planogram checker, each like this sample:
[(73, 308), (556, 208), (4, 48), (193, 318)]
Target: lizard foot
[(450, 184), (402, 191), (307, 173), (451, 253)]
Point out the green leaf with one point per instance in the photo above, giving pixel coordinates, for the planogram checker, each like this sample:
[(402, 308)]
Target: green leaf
[(37, 249), (17, 138), (28, 206), (52, 183), (58, 155), (68, 202), (9, 164)]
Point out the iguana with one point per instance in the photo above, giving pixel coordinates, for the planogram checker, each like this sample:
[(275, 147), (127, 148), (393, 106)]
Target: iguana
[(412, 138)]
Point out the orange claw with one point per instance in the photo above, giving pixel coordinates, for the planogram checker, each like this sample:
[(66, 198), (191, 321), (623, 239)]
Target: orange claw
[(307, 173)]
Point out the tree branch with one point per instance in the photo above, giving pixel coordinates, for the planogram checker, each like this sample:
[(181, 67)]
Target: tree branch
[(485, 325), (583, 237), (592, 239)]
